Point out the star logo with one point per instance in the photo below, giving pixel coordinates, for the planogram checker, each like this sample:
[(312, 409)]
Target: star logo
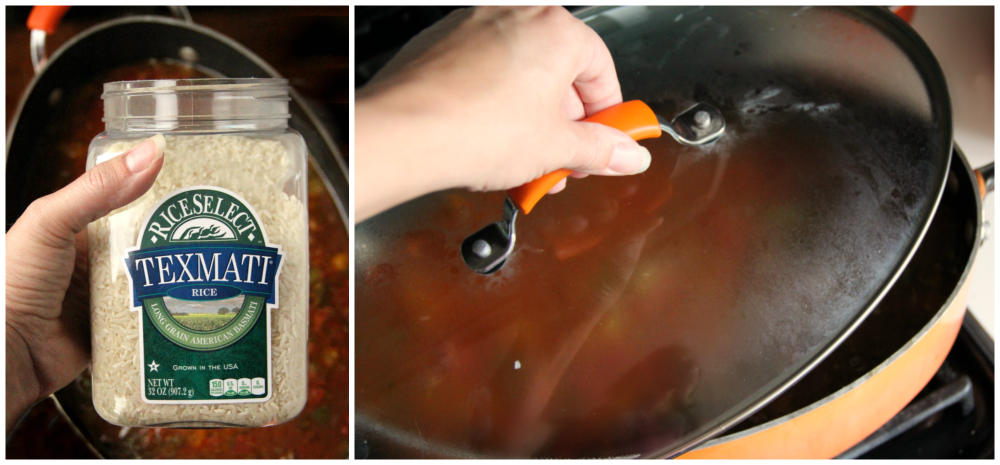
[(153, 366)]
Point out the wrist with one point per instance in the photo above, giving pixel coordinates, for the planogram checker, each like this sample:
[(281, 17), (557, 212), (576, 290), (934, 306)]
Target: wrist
[(23, 388), (403, 148)]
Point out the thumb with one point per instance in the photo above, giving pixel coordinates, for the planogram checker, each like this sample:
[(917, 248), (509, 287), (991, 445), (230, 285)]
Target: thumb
[(109, 185), (606, 151)]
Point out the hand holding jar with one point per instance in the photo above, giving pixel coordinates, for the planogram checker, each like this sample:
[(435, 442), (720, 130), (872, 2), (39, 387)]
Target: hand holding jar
[(47, 330)]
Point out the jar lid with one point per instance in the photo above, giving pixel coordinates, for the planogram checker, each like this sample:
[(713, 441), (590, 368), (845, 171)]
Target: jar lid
[(168, 104)]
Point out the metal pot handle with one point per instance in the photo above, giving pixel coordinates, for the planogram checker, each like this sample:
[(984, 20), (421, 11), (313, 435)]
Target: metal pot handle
[(984, 178), (44, 20)]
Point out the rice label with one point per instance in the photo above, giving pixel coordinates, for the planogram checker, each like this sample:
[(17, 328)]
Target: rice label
[(204, 279)]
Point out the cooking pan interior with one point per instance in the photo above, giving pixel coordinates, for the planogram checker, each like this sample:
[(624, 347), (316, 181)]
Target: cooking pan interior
[(644, 314), (130, 41)]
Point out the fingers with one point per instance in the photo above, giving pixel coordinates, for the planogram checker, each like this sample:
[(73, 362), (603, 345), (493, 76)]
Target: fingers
[(596, 82), (572, 105), (558, 187), (109, 185), (601, 149)]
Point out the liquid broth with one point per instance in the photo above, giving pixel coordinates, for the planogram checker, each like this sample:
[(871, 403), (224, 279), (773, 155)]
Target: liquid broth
[(622, 309)]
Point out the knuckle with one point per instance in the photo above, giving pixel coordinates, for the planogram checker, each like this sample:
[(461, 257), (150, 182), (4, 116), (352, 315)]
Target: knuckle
[(486, 13), (593, 151), (36, 210), (106, 179), (44, 222), (554, 14), (100, 180), (103, 184), (549, 13), (603, 145)]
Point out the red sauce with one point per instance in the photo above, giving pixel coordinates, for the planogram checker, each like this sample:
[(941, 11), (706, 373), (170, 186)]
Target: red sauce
[(565, 352), (617, 326)]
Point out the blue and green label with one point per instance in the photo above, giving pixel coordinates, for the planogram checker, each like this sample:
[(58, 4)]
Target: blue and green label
[(204, 278)]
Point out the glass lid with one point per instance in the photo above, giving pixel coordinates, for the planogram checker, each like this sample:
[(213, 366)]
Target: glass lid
[(641, 315)]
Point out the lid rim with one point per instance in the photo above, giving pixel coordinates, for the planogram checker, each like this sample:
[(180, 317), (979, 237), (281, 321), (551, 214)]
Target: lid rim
[(193, 85)]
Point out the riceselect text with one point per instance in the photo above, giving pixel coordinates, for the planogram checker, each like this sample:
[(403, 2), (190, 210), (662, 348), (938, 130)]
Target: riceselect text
[(202, 204), (202, 245)]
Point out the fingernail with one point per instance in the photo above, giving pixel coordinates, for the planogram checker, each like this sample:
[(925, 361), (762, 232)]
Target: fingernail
[(629, 159), (144, 154)]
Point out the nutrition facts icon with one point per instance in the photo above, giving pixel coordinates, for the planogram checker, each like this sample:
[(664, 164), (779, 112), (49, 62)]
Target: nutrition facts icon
[(258, 386), (237, 387), (243, 388), (229, 386), (215, 388)]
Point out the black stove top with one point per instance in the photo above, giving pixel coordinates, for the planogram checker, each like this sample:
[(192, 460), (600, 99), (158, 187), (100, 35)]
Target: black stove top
[(952, 417)]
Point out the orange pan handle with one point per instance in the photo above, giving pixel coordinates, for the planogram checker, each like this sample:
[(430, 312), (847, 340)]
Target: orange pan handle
[(905, 12), (634, 118), (46, 18)]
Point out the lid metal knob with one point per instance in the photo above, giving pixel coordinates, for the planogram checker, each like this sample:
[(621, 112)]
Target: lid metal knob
[(702, 119), (481, 249)]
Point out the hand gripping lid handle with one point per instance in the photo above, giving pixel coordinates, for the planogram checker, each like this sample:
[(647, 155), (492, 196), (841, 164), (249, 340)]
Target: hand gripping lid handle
[(634, 118)]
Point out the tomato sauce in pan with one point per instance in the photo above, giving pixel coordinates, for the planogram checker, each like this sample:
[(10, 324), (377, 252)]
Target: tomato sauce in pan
[(535, 366), (321, 430)]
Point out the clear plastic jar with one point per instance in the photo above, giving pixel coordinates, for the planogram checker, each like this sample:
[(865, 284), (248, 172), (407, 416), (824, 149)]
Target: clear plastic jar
[(200, 288)]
